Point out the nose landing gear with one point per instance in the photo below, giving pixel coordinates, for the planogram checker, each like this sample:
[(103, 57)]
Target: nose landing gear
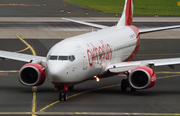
[(62, 94)]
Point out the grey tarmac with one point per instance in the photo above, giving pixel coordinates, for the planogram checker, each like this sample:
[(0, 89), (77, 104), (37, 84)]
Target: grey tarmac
[(33, 29), (91, 97), (41, 27)]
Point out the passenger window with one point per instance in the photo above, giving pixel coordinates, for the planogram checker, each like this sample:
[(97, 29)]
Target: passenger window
[(53, 58), (63, 57)]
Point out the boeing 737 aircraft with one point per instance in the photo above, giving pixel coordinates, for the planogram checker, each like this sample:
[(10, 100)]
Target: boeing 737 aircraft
[(94, 55)]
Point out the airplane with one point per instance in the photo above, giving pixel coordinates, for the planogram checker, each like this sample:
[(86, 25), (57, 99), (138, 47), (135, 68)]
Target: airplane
[(98, 54)]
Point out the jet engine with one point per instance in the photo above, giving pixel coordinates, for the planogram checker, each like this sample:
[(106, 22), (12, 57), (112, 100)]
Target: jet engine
[(142, 78), (32, 74)]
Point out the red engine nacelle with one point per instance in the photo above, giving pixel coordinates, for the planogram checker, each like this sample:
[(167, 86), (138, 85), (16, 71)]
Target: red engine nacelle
[(142, 78), (32, 74)]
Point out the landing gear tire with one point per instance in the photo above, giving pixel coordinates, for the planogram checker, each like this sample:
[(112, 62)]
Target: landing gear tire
[(62, 96), (123, 85), (65, 97)]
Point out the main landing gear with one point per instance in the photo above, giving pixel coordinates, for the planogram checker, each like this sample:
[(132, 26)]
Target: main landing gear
[(125, 85)]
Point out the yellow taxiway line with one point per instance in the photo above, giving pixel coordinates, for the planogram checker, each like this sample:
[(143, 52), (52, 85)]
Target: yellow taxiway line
[(34, 88), (30, 47), (41, 111), (50, 105), (33, 113), (9, 71), (22, 50), (91, 113), (110, 113), (34, 101)]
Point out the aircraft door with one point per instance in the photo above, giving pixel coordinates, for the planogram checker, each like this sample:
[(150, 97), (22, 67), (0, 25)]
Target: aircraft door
[(85, 63)]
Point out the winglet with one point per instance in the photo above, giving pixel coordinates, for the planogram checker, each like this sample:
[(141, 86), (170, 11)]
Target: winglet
[(127, 15)]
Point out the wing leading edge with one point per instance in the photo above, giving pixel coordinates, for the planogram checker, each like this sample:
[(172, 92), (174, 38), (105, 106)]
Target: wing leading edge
[(141, 31), (128, 66), (21, 57)]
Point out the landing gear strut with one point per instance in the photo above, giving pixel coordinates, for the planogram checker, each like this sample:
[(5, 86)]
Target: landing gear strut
[(62, 94), (125, 84)]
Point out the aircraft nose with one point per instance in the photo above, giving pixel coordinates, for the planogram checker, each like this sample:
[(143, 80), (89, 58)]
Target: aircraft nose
[(55, 71)]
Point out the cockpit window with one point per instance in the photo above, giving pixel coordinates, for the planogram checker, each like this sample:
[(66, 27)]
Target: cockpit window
[(53, 57), (70, 58), (63, 58)]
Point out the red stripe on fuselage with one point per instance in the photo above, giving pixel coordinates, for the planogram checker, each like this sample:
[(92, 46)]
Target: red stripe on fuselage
[(136, 31), (65, 84)]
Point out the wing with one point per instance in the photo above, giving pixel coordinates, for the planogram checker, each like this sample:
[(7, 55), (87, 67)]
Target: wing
[(157, 29), (21, 57), (140, 30), (85, 23), (128, 66)]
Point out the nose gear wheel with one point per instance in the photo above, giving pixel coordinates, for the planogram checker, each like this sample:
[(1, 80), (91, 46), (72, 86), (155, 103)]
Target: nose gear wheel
[(62, 96)]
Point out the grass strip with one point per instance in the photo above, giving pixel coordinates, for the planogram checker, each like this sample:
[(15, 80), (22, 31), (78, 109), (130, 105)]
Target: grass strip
[(141, 7)]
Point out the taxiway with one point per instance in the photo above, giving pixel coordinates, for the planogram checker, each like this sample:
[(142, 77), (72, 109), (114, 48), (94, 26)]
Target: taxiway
[(41, 27), (91, 97)]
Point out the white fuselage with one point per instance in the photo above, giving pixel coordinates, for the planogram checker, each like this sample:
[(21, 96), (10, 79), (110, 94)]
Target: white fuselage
[(93, 52)]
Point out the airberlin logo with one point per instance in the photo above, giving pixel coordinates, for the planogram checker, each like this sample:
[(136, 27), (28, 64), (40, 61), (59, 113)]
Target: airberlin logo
[(97, 55)]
